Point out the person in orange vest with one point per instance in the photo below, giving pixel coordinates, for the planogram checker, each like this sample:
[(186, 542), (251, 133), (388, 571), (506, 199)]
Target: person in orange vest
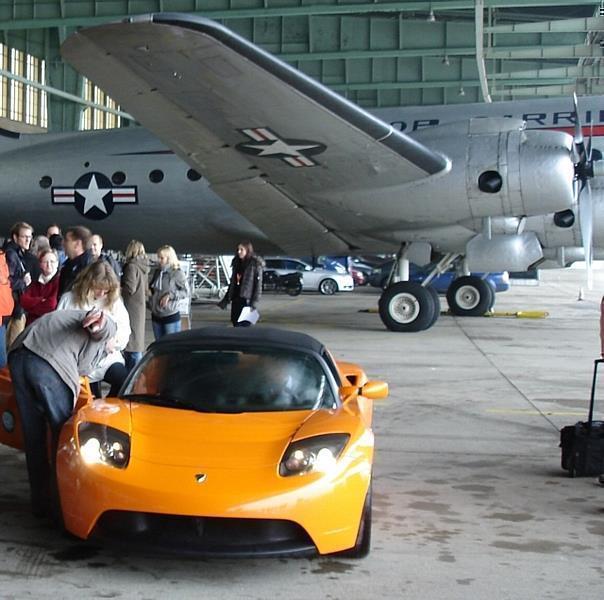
[(6, 305)]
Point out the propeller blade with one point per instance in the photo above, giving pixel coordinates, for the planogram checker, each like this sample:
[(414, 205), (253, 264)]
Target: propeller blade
[(579, 142), (586, 216)]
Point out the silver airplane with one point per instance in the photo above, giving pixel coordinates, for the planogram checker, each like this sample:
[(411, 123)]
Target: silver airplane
[(243, 146)]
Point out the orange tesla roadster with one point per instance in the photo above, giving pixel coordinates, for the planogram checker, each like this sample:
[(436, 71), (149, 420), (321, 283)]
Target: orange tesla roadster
[(222, 441)]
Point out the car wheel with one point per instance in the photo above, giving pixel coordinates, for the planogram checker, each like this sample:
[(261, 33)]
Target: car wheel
[(470, 296), (407, 306), (328, 287), (362, 545)]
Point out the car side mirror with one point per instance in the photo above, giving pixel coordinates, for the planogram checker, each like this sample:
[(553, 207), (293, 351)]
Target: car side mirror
[(374, 390), (346, 391)]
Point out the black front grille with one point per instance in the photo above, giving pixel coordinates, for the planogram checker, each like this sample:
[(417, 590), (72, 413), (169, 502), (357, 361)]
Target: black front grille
[(207, 536)]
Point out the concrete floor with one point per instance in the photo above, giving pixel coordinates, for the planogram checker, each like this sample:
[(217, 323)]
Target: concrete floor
[(469, 497)]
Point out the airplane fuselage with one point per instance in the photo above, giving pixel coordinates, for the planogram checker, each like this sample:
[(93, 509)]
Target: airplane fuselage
[(126, 184)]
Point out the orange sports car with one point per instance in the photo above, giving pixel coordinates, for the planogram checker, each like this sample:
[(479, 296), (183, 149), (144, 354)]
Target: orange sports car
[(239, 441)]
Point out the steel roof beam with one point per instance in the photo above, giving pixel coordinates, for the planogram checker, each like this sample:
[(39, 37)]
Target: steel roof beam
[(563, 26), (456, 83), (12, 21), (546, 52)]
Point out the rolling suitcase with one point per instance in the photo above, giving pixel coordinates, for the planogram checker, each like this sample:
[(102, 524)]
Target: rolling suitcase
[(583, 443)]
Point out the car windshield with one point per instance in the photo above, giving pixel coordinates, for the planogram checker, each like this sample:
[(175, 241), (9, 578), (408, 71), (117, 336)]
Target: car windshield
[(232, 381)]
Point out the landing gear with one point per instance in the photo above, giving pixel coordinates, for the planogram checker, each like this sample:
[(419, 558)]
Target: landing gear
[(470, 296), (407, 306)]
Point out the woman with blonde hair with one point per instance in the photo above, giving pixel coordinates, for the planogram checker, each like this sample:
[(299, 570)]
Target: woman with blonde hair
[(97, 286), (168, 287), (134, 293)]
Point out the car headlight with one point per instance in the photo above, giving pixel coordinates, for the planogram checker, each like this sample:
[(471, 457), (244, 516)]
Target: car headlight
[(314, 454), (103, 444)]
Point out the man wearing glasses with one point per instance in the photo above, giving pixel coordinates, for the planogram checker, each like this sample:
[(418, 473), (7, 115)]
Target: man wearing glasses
[(19, 261)]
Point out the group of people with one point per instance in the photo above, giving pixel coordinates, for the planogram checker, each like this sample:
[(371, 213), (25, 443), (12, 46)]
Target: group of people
[(75, 272), (69, 309)]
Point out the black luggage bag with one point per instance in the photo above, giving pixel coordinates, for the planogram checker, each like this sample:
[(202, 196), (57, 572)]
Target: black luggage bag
[(583, 443)]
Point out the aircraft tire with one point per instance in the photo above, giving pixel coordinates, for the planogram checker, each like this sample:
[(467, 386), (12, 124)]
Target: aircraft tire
[(407, 306), (436, 299), (470, 296)]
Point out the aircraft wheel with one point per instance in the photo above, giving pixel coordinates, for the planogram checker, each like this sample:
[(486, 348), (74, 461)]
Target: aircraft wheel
[(470, 296), (407, 306), (328, 287), (436, 299)]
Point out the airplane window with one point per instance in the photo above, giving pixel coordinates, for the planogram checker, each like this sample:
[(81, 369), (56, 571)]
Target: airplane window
[(156, 176), (193, 175), (118, 177), (45, 182)]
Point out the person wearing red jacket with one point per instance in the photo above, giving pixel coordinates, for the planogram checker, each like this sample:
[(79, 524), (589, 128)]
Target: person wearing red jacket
[(41, 296), (6, 305)]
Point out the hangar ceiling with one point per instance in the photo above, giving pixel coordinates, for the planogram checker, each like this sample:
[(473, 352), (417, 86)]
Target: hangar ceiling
[(380, 53)]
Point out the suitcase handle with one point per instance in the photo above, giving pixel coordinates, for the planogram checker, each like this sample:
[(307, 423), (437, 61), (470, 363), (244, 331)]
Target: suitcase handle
[(593, 391)]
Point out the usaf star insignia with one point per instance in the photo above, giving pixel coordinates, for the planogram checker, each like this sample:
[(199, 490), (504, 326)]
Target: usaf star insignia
[(267, 144), (94, 196)]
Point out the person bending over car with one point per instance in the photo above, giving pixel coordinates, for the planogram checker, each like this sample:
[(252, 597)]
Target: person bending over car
[(45, 363)]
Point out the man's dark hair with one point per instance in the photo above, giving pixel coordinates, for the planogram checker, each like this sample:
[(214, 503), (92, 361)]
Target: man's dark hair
[(79, 232), (56, 241)]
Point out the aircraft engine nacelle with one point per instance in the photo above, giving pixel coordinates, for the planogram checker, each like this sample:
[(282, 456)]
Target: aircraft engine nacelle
[(500, 169)]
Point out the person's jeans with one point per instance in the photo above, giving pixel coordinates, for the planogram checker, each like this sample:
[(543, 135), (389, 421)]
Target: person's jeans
[(161, 329), (132, 359), (115, 376), (43, 398)]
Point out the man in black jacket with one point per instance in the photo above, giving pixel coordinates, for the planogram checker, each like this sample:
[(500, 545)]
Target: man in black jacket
[(75, 244), (20, 264)]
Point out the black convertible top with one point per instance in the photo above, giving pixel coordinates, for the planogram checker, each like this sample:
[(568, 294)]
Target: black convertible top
[(265, 336)]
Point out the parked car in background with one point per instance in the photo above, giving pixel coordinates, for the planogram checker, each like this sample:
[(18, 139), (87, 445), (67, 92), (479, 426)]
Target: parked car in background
[(322, 280), (358, 277)]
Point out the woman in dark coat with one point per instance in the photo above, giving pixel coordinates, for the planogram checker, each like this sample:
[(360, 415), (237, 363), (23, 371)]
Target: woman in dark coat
[(134, 294), (245, 286)]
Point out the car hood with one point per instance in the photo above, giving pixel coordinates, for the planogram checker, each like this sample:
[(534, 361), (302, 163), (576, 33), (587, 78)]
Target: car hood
[(183, 437)]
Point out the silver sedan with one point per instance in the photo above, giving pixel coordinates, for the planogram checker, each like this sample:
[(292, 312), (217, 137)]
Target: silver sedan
[(322, 280)]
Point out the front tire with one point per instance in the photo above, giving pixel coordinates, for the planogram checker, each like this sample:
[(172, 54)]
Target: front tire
[(470, 296), (407, 306), (328, 287)]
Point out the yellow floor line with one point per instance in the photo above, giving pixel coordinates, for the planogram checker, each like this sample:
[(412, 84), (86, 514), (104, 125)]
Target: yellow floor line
[(531, 412)]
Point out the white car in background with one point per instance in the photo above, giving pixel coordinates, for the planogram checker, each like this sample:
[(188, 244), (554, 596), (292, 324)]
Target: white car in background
[(322, 280)]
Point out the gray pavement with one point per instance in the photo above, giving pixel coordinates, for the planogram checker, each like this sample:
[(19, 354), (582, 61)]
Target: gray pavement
[(469, 497)]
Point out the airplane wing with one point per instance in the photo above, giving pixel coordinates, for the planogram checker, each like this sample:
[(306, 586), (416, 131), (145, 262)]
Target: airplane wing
[(281, 148)]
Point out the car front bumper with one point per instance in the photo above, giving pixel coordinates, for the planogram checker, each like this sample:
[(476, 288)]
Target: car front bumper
[(255, 512)]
